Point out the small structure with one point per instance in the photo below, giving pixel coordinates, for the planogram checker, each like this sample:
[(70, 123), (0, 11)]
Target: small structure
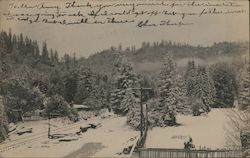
[(79, 107), (34, 115)]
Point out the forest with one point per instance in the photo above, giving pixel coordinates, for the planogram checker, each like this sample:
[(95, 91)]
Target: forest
[(33, 78)]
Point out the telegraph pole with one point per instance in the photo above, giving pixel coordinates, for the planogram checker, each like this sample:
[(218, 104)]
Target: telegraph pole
[(146, 117), (49, 127), (141, 104)]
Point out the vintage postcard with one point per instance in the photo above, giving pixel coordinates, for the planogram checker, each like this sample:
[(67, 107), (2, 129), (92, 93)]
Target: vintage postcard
[(124, 78)]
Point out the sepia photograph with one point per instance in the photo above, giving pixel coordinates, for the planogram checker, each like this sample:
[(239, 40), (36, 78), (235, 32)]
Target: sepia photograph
[(124, 79)]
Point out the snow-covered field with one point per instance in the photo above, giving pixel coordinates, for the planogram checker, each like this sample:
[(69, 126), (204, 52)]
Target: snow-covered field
[(209, 131), (105, 141), (110, 139)]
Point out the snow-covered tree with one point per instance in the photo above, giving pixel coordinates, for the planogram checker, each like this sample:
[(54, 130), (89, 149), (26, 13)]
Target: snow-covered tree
[(122, 95), (204, 88), (200, 89), (133, 107), (84, 85), (21, 97), (168, 92), (225, 83), (190, 77), (183, 106)]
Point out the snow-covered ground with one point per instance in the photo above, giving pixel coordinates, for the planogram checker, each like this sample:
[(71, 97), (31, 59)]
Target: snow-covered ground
[(114, 134), (209, 131), (105, 141)]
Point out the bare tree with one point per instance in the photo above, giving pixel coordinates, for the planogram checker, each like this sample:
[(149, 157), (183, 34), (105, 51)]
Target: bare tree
[(239, 122)]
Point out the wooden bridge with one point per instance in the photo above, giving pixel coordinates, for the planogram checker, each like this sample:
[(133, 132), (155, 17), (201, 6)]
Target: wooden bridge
[(183, 153)]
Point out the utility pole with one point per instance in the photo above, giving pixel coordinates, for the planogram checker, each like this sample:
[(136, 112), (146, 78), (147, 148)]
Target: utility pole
[(49, 127), (146, 117), (141, 104)]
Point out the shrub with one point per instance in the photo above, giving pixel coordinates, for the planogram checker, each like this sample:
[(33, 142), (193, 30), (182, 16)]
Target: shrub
[(198, 107), (56, 105)]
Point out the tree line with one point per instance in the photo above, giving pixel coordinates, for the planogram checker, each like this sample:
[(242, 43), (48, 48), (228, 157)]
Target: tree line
[(34, 79)]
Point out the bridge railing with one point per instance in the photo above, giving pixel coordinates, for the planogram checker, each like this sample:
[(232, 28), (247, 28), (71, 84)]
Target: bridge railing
[(183, 153)]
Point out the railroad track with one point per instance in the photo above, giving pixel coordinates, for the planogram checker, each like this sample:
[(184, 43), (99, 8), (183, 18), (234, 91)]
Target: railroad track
[(22, 141)]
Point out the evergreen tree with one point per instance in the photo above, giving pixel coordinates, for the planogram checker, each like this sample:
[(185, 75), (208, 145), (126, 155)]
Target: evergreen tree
[(9, 41), (168, 92), (122, 97), (70, 85), (3, 45), (56, 58), (84, 85), (190, 76), (45, 53), (204, 88), (21, 44), (52, 56), (224, 79), (134, 109), (36, 50), (67, 61), (183, 107), (200, 90)]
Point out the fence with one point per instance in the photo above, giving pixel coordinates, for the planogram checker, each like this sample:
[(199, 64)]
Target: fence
[(34, 118), (183, 153)]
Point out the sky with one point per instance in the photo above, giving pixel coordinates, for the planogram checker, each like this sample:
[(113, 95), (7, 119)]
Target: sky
[(85, 40)]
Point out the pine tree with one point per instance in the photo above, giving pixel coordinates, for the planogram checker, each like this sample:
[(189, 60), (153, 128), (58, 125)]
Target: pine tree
[(183, 106), (122, 97), (204, 88), (56, 56), (84, 85), (36, 50), (200, 89), (3, 45), (224, 79), (21, 44), (45, 53), (70, 85), (168, 93), (190, 78), (9, 41), (52, 56), (133, 108)]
